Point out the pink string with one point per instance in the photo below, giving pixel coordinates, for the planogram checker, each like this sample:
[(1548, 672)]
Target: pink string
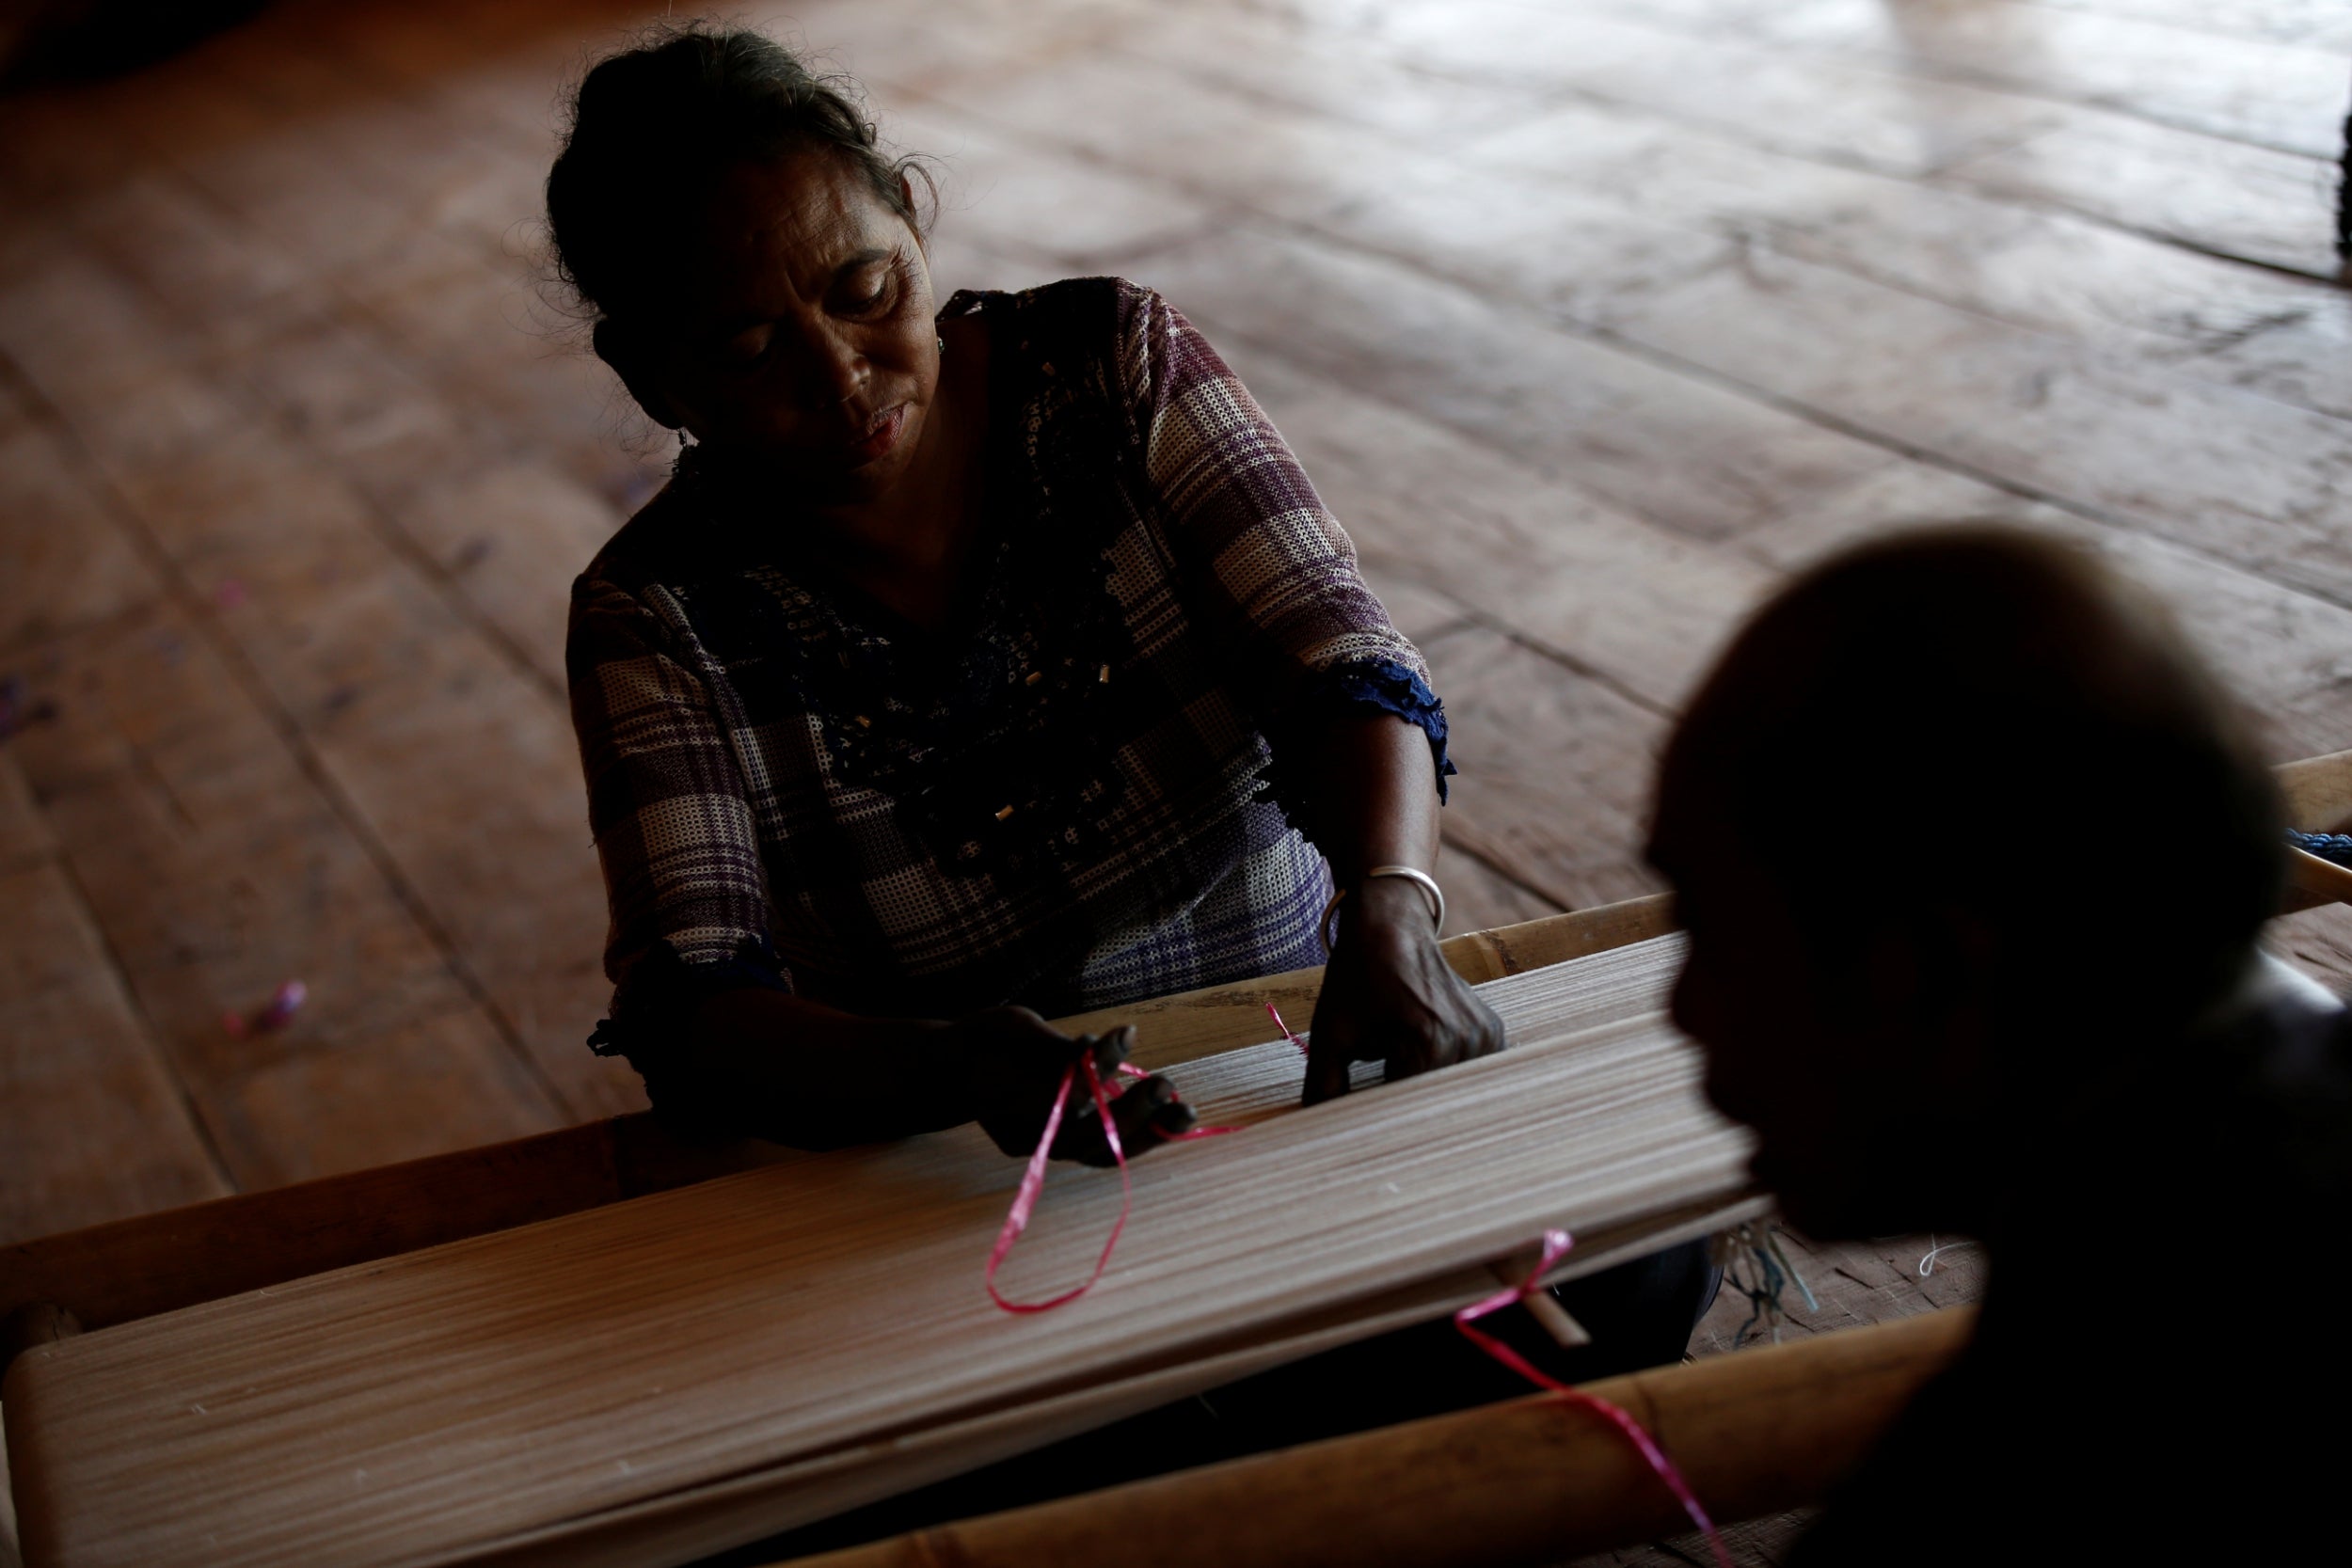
[(1556, 1246), (1188, 1135), (1033, 1183), (1276, 1013)]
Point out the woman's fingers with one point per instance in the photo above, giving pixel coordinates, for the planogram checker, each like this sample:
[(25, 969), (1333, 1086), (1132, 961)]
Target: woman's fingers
[(1327, 1065), (1112, 1049), (1147, 1115)]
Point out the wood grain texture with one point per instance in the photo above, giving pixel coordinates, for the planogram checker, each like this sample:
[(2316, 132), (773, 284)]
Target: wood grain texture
[(2250, 89), (2139, 447), (217, 873), (92, 1124), (2287, 655), (2218, 196), (434, 1402), (1703, 462), (2098, 285), (1854, 108), (1486, 1488), (1555, 770), (1600, 588)]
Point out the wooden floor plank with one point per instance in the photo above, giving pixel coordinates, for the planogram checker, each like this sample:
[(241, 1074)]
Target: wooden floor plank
[(1612, 594), (2269, 94), (93, 1128), (2287, 655), (2112, 291), (1555, 770), (361, 653), (1011, 197), (1480, 898), (2319, 24), (218, 874), (2228, 473), (389, 685), (430, 1087), (24, 832), (2217, 194), (68, 566), (1674, 451), (1854, 111), (1627, 199), (1335, 74)]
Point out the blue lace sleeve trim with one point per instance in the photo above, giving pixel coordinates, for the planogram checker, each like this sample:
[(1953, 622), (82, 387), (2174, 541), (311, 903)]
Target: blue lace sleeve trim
[(1357, 687), (2328, 846), (663, 988)]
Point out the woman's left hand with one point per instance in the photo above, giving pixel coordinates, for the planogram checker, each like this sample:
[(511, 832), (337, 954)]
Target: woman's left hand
[(1389, 997)]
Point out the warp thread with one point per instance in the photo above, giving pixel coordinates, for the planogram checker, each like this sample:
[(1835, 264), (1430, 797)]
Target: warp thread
[(1756, 1268), (1555, 1246)]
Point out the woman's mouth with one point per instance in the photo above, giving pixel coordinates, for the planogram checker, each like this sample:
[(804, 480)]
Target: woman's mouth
[(881, 435)]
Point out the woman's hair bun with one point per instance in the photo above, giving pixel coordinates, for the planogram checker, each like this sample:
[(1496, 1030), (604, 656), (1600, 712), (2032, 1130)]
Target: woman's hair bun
[(653, 128)]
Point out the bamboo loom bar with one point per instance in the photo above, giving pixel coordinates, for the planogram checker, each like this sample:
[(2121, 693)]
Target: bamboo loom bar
[(1755, 1433), (661, 1378), (137, 1267)]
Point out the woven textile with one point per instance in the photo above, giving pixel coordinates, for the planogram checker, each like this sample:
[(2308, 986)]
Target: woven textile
[(1071, 801)]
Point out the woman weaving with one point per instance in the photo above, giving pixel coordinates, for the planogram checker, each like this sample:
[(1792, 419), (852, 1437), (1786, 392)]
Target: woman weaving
[(980, 662)]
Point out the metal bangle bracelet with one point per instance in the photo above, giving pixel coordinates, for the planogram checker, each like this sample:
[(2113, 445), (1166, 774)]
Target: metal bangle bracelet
[(1420, 879)]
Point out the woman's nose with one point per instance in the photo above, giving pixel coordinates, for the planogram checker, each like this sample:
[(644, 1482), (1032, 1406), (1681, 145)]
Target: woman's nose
[(838, 370)]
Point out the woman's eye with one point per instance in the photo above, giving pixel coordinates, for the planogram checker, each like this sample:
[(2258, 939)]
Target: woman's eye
[(863, 296), (745, 349)]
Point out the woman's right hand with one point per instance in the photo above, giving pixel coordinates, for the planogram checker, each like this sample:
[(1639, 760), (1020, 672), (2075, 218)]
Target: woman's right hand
[(1013, 1063)]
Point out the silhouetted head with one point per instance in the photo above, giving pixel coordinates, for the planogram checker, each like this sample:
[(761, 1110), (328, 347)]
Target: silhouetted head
[(1960, 828), (755, 260)]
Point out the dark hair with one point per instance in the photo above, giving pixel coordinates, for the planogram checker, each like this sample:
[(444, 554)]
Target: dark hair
[(651, 130), (1982, 717)]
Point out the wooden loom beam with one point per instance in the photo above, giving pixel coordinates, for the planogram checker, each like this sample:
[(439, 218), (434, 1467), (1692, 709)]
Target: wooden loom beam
[(152, 1263), (1755, 1433)]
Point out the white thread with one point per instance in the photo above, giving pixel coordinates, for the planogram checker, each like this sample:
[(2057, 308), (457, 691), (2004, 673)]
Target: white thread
[(1927, 1264)]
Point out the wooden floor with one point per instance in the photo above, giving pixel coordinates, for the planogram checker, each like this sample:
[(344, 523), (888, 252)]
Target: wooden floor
[(1591, 319)]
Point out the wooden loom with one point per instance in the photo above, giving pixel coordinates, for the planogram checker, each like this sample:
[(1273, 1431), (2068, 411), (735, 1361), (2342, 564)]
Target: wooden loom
[(91, 1484), (810, 1335)]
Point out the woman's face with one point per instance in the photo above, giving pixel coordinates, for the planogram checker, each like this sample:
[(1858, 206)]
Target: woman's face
[(801, 333)]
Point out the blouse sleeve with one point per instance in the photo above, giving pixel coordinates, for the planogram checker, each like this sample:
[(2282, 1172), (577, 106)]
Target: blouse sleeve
[(1253, 534), (672, 821)]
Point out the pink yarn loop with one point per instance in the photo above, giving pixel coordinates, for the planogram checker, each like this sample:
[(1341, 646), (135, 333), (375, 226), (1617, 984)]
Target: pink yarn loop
[(1033, 1183)]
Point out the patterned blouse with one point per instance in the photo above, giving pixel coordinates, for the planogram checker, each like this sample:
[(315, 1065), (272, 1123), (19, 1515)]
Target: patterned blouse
[(1076, 798)]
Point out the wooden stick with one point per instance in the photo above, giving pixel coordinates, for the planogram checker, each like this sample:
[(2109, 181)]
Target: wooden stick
[(1755, 1433)]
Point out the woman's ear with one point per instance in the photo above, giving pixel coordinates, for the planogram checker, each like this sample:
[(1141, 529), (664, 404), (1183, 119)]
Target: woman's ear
[(906, 204), (630, 360)]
